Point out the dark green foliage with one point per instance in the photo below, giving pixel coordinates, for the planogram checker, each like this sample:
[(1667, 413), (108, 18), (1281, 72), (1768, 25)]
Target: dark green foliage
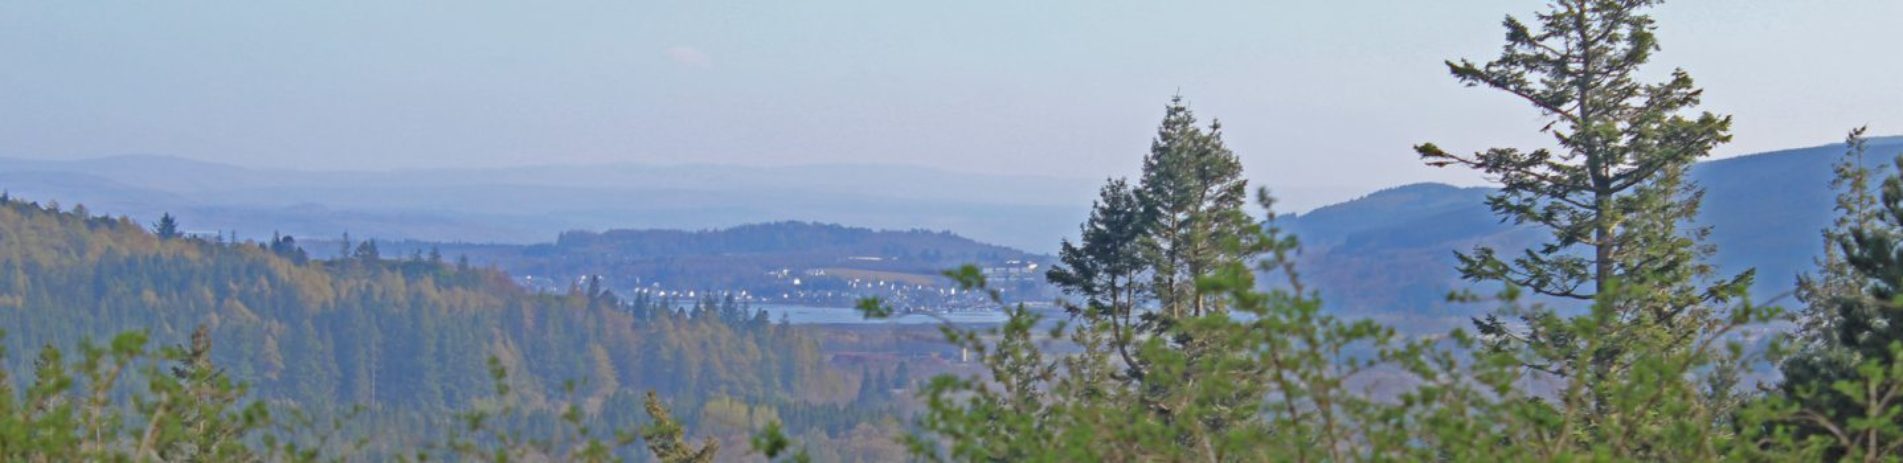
[(167, 228), (1264, 378), (772, 443), (1849, 336), (1108, 271), (1613, 195), (1192, 193)]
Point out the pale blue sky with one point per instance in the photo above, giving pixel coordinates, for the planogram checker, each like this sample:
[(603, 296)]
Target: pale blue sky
[(1313, 94)]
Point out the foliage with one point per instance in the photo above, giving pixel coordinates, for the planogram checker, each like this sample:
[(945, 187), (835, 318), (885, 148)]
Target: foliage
[(403, 340), (123, 401), (1840, 378), (1172, 351), (1615, 187), (1192, 194)]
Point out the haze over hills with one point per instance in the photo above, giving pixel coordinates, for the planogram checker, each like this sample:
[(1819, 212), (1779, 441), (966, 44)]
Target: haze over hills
[(1391, 252), (1388, 253), (533, 204), (799, 263)]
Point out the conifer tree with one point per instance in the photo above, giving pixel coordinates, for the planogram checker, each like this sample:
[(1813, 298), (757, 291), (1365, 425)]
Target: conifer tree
[(1837, 283), (1614, 187), (166, 228), (1107, 268), (1193, 195), (668, 441), (1851, 316), (367, 251)]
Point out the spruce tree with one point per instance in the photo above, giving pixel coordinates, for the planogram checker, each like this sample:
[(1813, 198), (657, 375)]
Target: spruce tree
[(1837, 284), (1107, 268), (1193, 193), (367, 252), (1851, 318), (1613, 191), (166, 228)]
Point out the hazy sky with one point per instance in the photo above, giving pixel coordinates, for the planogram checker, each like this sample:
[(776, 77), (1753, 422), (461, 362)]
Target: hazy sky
[(1313, 94)]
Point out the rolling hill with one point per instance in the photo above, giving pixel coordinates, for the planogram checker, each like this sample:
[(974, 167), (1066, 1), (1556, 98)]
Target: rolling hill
[(1390, 253), (795, 262), (1386, 254)]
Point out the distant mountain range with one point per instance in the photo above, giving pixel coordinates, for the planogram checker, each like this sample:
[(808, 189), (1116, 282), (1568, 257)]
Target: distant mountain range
[(534, 204), (1390, 253), (523, 205), (1387, 254)]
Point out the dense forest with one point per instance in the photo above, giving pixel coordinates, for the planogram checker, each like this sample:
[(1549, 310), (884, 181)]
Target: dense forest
[(1188, 332), (406, 339)]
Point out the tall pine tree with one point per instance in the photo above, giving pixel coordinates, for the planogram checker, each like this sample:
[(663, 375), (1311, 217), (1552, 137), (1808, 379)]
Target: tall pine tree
[(167, 227), (1613, 192), (1193, 192), (1107, 268)]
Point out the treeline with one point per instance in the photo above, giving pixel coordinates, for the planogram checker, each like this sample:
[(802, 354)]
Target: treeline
[(409, 334), (406, 339)]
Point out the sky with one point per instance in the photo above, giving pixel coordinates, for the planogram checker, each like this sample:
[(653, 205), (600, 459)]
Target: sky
[(1315, 95)]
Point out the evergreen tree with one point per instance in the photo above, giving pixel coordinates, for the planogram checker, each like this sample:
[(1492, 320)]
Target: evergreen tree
[(668, 441), (1107, 269), (344, 247), (1614, 187), (1857, 209), (1193, 196), (367, 252), (1837, 284), (1852, 318), (166, 228)]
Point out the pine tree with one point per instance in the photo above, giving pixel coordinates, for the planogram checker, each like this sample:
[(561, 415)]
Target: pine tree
[(1837, 284), (1857, 209), (1851, 316), (668, 441), (166, 228), (1614, 187), (367, 251), (1107, 269), (1193, 194), (344, 247)]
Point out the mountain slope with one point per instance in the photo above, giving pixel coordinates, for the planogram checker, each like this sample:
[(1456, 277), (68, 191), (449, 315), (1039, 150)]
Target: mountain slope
[(409, 336), (1391, 253)]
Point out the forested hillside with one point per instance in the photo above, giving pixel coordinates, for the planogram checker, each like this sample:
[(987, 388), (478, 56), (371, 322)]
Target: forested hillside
[(793, 262), (1390, 254), (402, 337)]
